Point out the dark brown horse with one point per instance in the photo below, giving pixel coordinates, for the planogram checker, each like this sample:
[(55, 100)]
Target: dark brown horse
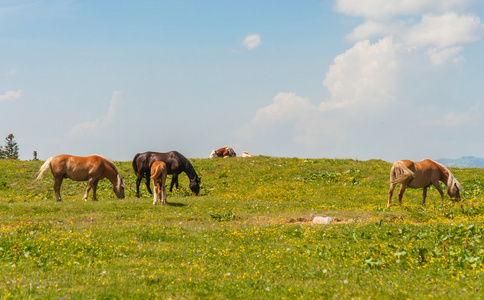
[(175, 162), (422, 174), (90, 168)]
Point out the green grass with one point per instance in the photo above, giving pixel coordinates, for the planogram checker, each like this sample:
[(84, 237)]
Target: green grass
[(249, 235)]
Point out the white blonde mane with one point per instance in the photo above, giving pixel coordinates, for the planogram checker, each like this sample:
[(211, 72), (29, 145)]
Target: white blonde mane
[(451, 180), (119, 183)]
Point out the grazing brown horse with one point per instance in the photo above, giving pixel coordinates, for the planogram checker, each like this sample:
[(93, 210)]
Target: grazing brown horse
[(224, 152), (158, 175), (422, 175), (175, 162), (90, 168)]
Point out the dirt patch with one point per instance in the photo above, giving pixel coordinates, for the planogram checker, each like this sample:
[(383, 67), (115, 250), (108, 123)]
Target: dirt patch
[(299, 220), (194, 220), (89, 220), (310, 220)]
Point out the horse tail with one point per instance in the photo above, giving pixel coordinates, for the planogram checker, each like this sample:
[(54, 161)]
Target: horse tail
[(45, 167), (135, 165), (400, 173), (155, 172)]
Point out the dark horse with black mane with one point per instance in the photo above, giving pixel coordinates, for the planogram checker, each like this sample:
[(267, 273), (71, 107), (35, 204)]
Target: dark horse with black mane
[(175, 162)]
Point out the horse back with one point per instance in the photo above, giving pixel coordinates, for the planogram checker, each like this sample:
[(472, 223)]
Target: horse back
[(173, 160), (79, 168), (158, 170), (425, 172)]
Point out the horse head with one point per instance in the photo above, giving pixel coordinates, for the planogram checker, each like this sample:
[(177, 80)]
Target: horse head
[(454, 188), (119, 188), (195, 185)]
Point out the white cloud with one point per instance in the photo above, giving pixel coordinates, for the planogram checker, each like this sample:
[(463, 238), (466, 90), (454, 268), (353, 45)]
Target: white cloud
[(292, 119), (11, 95), (385, 9), (455, 120), (285, 108), (438, 57), (102, 122), (370, 29), (444, 31), (252, 41), (376, 87), (440, 32), (363, 76)]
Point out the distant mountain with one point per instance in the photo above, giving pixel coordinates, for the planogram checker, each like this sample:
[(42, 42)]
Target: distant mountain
[(463, 162)]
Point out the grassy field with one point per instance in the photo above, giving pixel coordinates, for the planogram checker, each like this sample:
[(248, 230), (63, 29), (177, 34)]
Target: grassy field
[(248, 236)]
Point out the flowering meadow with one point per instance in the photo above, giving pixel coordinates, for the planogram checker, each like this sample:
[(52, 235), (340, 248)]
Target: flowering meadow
[(248, 235)]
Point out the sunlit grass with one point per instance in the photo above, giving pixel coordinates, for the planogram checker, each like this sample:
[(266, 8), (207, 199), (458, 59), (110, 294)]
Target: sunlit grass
[(248, 236)]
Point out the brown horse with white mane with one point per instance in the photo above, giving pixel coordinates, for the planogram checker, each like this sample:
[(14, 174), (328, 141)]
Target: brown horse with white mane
[(90, 168), (158, 175), (225, 151), (422, 175)]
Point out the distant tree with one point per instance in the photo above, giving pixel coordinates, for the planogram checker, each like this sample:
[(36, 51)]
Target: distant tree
[(35, 156), (10, 150)]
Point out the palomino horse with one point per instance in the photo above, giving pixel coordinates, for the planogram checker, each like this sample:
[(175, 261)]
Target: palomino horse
[(175, 162), (224, 152), (90, 168), (158, 175), (422, 175), (246, 154)]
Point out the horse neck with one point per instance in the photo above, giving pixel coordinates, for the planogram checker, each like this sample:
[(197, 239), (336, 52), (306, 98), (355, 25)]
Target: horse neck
[(445, 174), (190, 171), (112, 175)]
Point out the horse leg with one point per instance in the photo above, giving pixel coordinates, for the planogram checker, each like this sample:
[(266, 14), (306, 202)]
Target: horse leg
[(57, 185), (424, 194), (400, 193), (138, 182), (163, 191), (94, 189), (174, 181), (147, 181), (390, 194), (155, 196), (437, 186), (89, 185)]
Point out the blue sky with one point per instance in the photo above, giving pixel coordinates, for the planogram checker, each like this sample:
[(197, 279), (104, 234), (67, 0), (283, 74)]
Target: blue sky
[(380, 79)]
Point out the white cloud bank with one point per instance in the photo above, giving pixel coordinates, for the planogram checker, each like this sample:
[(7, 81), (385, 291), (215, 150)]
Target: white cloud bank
[(387, 9), (101, 123), (364, 82), (362, 77), (440, 32), (11, 96), (252, 41)]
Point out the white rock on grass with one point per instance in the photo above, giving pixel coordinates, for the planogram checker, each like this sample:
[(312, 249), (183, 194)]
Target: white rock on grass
[(322, 220)]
